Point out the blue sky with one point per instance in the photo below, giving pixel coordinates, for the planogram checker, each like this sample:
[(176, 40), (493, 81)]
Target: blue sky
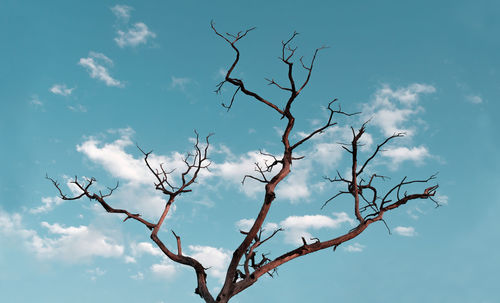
[(83, 82)]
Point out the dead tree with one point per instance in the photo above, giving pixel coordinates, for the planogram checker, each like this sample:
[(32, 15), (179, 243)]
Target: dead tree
[(246, 267)]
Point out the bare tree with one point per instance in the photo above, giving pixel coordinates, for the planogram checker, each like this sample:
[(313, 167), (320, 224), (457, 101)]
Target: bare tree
[(246, 267)]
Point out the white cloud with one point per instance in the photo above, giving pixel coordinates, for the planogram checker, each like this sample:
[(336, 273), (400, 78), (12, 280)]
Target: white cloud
[(441, 199), (11, 225), (392, 109), (405, 231), (217, 259), (179, 83), (96, 272), (235, 168), (122, 12), (405, 95), (71, 244), (116, 160), (102, 57), (94, 65), (48, 204), (36, 101), (475, 99), (137, 194), (61, 89), (415, 212), (400, 154), (75, 243), (113, 158), (78, 108), (356, 247), (296, 227), (145, 248), (328, 153), (246, 224), (295, 187), (138, 34), (138, 276), (165, 269), (130, 259)]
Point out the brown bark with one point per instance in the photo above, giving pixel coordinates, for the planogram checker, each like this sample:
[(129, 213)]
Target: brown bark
[(237, 280)]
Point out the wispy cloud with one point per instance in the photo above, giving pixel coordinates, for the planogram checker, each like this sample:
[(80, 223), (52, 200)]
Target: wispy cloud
[(122, 12), (405, 231), (474, 99), (139, 33), (442, 199), (35, 101), (356, 247), (48, 204), (179, 83), (138, 276), (94, 64), (61, 89), (77, 108), (95, 273)]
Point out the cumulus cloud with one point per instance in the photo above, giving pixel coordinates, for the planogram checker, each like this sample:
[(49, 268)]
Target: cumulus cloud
[(114, 158), (166, 269), (95, 66), (145, 248), (122, 12), (71, 244), (75, 243), (391, 109), (139, 33), (356, 247), (137, 193), (405, 231), (61, 89), (234, 168), (295, 187), (296, 227), (216, 259), (401, 154)]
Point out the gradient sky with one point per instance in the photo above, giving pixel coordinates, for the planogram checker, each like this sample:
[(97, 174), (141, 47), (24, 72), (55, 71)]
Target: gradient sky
[(83, 82)]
